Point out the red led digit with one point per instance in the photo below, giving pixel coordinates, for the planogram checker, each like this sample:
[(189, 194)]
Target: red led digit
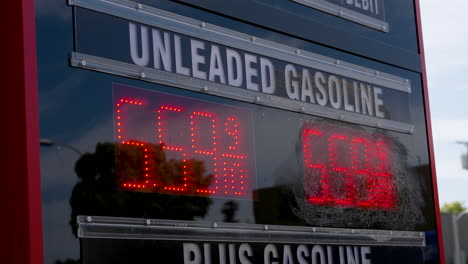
[(182, 146), (231, 173), (343, 180), (136, 153), (315, 172), (120, 121), (181, 184), (203, 140), (361, 169), (381, 192), (359, 148), (162, 126), (232, 126)]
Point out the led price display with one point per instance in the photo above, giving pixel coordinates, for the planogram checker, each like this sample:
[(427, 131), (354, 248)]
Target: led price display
[(347, 168), (178, 145)]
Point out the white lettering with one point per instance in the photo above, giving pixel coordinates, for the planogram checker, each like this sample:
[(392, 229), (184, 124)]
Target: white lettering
[(216, 66), (364, 252), (250, 71), (180, 68), (267, 69), (334, 85), (302, 253), (352, 258), (162, 51), (357, 101), (365, 4), (347, 105), (192, 253), (292, 86), (232, 254), (234, 67), (378, 102), (322, 97), (342, 255), (366, 99), (357, 4), (197, 59), (244, 251), (142, 60), (207, 253), (269, 253), (318, 252), (330, 255), (222, 253), (306, 87), (287, 255)]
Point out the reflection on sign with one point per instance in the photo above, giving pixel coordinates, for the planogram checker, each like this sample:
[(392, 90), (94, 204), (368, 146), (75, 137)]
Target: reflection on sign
[(347, 168), (209, 145)]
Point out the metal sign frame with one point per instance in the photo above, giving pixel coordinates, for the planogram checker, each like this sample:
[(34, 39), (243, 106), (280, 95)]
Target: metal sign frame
[(24, 208), (162, 19)]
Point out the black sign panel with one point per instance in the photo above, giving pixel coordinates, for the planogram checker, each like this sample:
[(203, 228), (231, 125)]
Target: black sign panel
[(309, 19), (115, 251), (371, 8), (153, 48), (318, 121)]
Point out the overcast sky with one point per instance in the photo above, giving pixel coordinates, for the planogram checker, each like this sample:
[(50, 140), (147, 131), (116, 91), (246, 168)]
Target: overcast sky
[(446, 45)]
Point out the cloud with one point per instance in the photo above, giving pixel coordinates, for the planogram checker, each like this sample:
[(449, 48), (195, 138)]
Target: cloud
[(452, 189), (446, 132), (450, 130), (450, 169), (445, 37)]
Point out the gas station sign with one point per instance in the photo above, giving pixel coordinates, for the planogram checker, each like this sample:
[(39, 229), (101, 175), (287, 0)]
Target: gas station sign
[(288, 131), (285, 77)]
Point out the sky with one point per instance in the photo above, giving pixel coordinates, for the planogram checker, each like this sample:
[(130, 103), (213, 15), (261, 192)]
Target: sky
[(445, 34)]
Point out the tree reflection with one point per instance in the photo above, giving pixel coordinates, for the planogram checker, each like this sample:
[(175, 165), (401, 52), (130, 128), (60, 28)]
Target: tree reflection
[(98, 194), (229, 211)]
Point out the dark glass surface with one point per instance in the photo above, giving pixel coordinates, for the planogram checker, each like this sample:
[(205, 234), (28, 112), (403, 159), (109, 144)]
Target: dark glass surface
[(96, 32), (374, 8), (398, 13), (102, 251), (399, 46), (77, 170), (181, 146)]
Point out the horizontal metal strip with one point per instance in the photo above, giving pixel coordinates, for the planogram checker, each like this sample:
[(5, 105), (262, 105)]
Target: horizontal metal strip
[(346, 14), (153, 229), (310, 28), (184, 25), (194, 84)]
